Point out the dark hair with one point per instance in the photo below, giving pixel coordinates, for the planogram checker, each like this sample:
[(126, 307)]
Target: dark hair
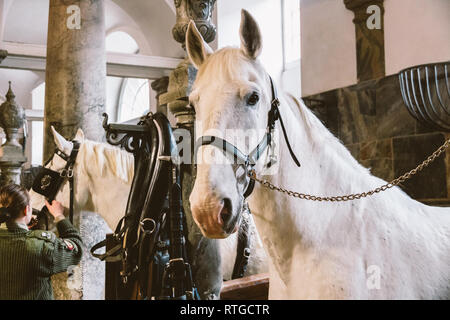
[(13, 200)]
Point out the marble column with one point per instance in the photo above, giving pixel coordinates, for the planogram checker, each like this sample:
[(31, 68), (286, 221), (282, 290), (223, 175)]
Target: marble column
[(369, 29), (12, 158), (203, 252), (75, 98)]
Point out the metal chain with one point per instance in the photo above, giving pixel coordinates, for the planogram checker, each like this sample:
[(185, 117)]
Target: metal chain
[(356, 196)]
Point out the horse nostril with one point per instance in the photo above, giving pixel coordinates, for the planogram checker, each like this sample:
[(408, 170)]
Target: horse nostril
[(226, 213)]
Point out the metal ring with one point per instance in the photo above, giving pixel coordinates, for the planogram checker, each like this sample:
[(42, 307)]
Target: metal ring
[(141, 226)]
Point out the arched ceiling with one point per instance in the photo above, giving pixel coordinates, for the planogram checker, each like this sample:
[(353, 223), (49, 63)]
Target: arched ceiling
[(156, 19), (35, 13), (149, 22)]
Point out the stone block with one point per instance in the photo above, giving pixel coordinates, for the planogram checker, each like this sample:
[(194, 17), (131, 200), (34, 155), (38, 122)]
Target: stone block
[(409, 152)]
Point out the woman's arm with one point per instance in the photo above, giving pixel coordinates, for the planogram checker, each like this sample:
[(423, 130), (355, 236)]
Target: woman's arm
[(67, 249)]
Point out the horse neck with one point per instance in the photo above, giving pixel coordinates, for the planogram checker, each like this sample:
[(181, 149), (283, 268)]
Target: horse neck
[(328, 169), (107, 193)]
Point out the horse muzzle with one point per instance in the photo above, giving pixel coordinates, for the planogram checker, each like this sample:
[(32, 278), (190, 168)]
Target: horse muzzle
[(215, 218)]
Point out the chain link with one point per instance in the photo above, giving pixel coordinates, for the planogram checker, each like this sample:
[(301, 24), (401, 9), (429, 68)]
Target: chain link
[(356, 196)]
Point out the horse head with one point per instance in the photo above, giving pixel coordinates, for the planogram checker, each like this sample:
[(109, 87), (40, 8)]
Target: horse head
[(57, 163), (231, 97)]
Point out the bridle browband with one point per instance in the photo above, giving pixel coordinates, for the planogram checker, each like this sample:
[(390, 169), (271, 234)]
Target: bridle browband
[(48, 182), (249, 161)]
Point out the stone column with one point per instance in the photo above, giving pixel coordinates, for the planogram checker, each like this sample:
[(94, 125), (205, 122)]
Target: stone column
[(12, 119), (76, 70), (369, 28), (75, 98), (204, 252)]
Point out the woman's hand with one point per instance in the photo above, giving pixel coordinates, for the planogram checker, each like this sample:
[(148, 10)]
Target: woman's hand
[(56, 209)]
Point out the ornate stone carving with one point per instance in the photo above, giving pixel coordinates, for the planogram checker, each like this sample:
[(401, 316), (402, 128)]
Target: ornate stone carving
[(12, 118), (11, 114), (160, 86), (198, 10), (180, 84)]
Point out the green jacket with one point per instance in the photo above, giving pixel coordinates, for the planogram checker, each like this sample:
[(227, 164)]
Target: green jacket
[(29, 258)]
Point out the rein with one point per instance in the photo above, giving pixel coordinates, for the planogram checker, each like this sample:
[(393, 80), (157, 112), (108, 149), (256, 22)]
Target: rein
[(356, 196), (48, 182), (249, 161)]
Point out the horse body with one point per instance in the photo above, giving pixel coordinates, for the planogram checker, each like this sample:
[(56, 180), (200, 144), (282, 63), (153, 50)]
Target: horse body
[(334, 249), (387, 246), (103, 176)]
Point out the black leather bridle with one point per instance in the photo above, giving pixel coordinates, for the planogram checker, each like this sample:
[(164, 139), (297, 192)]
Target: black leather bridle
[(249, 161), (48, 182)]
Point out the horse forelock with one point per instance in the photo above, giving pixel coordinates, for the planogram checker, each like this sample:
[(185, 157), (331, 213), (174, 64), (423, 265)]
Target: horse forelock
[(101, 159), (225, 65)]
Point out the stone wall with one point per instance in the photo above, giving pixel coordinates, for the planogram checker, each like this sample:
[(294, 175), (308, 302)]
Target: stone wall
[(371, 119)]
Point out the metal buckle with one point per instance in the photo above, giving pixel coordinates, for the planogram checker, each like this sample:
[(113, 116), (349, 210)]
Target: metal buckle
[(63, 173), (276, 102), (70, 172)]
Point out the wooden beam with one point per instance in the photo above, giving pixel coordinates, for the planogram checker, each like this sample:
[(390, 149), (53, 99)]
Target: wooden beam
[(33, 57), (254, 287)]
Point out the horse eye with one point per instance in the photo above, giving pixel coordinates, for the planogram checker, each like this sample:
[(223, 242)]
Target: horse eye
[(253, 99)]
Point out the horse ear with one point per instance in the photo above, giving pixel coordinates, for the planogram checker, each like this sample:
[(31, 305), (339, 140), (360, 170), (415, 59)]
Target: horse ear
[(80, 135), (251, 40), (198, 50), (61, 143)]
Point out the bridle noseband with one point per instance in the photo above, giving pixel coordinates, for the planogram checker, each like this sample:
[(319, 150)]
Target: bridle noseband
[(48, 182), (249, 161)]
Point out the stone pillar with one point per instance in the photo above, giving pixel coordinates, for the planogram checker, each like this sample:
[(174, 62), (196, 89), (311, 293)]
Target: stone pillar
[(160, 86), (369, 28), (76, 70), (204, 252), (75, 98), (12, 119)]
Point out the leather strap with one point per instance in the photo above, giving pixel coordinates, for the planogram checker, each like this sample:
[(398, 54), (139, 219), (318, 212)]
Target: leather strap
[(69, 173), (112, 255), (243, 250)]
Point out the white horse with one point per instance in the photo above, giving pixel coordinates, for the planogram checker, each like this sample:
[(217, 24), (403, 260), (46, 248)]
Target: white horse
[(387, 246), (103, 175)]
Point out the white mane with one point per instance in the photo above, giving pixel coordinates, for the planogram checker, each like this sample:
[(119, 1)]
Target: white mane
[(107, 159)]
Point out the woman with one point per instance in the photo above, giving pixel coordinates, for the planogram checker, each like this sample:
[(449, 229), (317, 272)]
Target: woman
[(29, 258)]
